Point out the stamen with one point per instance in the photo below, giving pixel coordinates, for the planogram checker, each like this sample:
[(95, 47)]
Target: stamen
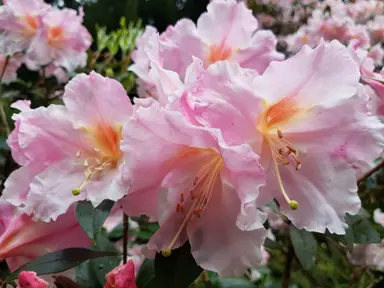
[(78, 154), (280, 134), (182, 197), (207, 180), (292, 203)]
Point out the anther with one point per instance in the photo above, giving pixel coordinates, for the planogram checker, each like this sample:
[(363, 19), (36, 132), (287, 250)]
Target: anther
[(86, 163), (76, 191), (284, 151), (280, 134), (293, 204), (298, 166), (182, 197), (96, 149), (178, 207), (166, 252), (78, 154), (293, 150), (198, 212)]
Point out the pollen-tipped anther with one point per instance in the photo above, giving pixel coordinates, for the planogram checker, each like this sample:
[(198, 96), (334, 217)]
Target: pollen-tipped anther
[(76, 191), (166, 252), (293, 204)]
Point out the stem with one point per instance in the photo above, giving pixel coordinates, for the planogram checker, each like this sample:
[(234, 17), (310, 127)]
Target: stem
[(3, 117), (125, 238), (370, 172), (287, 270)]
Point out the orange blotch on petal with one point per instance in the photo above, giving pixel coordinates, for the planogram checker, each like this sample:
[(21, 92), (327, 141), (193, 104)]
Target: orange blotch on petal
[(219, 53)]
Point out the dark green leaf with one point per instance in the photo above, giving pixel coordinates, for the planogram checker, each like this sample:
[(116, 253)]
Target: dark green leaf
[(305, 246), (178, 270), (91, 218), (3, 144), (59, 261), (362, 230), (85, 277), (236, 283), (146, 275), (101, 267), (347, 239), (93, 271)]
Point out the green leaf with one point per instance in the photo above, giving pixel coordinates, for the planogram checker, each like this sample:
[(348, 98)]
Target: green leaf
[(236, 283), (146, 275), (92, 219), (85, 277), (59, 261), (305, 246), (347, 239), (94, 271), (363, 231), (178, 270)]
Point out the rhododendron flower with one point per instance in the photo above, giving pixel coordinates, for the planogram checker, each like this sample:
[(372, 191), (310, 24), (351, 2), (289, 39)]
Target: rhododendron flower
[(227, 31), (72, 152), (200, 189), (19, 23), (23, 239), (29, 279), (63, 40), (308, 119), (12, 65), (122, 276)]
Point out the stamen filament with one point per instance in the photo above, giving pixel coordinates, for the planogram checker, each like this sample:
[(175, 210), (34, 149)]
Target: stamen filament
[(292, 203)]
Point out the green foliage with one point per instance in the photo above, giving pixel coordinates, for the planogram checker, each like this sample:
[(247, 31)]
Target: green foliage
[(92, 218), (92, 273), (59, 261), (305, 246)]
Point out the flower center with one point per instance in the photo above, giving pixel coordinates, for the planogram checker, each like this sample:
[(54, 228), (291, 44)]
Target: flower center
[(283, 152), (219, 53), (55, 35), (105, 153), (200, 189), (30, 25)]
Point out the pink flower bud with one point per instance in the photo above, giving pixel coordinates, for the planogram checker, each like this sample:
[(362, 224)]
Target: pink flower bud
[(122, 276), (28, 279)]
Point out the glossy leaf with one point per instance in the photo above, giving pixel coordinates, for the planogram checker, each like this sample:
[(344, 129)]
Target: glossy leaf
[(146, 275), (362, 229), (91, 218), (305, 246), (59, 261)]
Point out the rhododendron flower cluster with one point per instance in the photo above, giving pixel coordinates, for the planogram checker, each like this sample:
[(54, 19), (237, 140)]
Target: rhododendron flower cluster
[(224, 126), (236, 39), (43, 34)]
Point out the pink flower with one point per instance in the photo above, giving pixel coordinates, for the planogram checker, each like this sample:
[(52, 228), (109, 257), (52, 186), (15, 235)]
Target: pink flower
[(20, 21), (301, 113), (378, 217), (122, 276), (63, 40), (227, 31), (377, 54), (200, 189), (72, 152), (10, 73), (23, 239), (29, 279)]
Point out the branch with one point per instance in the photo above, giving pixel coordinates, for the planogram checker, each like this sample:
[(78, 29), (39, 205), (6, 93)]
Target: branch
[(125, 238), (3, 117), (370, 172)]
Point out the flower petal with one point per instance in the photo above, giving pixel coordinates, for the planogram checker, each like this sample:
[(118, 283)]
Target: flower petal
[(96, 99), (218, 244)]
